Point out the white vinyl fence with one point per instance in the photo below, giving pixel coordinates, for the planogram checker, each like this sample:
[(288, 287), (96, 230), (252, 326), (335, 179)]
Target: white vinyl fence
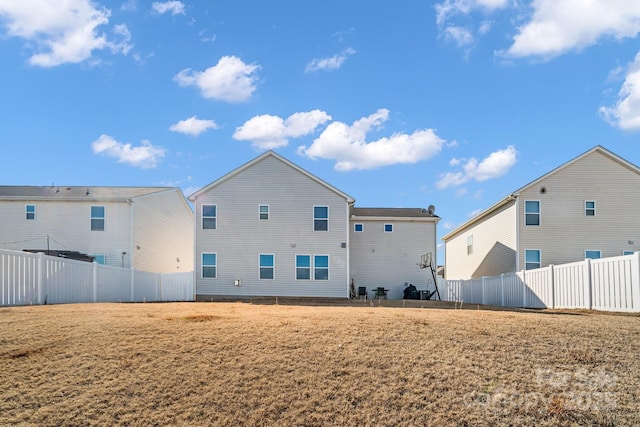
[(610, 284), (27, 279)]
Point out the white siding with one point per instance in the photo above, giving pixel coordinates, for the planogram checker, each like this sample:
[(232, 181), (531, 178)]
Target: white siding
[(241, 236), (68, 225), (162, 233), (565, 232), (391, 259), (494, 247)]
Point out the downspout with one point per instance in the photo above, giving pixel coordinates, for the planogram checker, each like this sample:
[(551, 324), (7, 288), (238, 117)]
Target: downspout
[(517, 204), (348, 249), (131, 214)]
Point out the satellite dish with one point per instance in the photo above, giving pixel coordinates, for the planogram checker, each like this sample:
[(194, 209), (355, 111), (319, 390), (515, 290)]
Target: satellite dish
[(431, 209)]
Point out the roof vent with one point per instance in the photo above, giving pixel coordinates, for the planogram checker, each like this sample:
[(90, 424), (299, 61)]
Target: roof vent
[(431, 209)]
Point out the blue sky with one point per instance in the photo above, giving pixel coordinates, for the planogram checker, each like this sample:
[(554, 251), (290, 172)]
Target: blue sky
[(408, 103)]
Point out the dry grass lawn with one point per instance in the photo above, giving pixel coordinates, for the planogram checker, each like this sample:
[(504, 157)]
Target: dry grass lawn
[(231, 363)]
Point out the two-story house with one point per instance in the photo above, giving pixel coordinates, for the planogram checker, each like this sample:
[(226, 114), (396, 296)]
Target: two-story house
[(588, 207), (146, 228), (271, 228)]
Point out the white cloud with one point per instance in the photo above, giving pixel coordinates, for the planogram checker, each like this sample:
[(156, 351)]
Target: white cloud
[(450, 8), (460, 35), (329, 64), (61, 32), (145, 156), (474, 213), (493, 166), (559, 26), (193, 126), (625, 114), (129, 6), (230, 80), (348, 146), (175, 7), (267, 132)]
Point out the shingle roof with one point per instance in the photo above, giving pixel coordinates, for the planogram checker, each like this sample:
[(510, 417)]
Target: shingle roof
[(394, 212), (75, 192)]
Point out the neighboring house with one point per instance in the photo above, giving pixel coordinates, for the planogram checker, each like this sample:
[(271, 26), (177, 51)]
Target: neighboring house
[(145, 228), (588, 207), (270, 228)]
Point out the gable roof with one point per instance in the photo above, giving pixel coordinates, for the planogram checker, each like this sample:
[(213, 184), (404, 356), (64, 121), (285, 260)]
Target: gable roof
[(513, 196), (258, 159), (77, 193)]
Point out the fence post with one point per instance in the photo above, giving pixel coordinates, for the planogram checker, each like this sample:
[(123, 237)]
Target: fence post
[(40, 276), (635, 280), (524, 288), (552, 284), (133, 280), (588, 283), (95, 281)]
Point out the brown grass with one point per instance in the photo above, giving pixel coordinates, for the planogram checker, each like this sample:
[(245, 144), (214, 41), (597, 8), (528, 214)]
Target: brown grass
[(193, 364)]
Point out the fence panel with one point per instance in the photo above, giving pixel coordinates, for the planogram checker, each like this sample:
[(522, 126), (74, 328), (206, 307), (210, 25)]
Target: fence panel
[(177, 287), (513, 290), (569, 285), (492, 290), (113, 284), (538, 289), (67, 281), (146, 286), (18, 278), (612, 284)]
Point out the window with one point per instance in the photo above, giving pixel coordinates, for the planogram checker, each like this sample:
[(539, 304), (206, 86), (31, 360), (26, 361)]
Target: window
[(470, 245), (321, 267), (358, 228), (627, 252), (591, 254), (320, 218), (263, 212), (589, 208), (388, 228), (532, 259), (266, 266), (532, 212), (30, 212), (209, 217), (209, 265), (99, 259), (303, 267), (97, 218)]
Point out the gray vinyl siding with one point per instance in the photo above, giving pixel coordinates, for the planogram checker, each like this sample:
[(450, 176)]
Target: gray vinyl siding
[(68, 225), (494, 247), (241, 236), (565, 232), (162, 233), (391, 259)]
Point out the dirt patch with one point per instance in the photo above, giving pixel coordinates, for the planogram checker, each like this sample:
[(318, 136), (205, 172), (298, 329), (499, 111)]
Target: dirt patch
[(249, 364)]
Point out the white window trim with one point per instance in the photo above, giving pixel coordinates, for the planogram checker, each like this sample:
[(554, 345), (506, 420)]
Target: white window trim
[(361, 226), (470, 244), (525, 257), (384, 227), (324, 219), (586, 208), (26, 212), (260, 212), (539, 213), (103, 218), (295, 266), (273, 267), (202, 265), (202, 217), (328, 268)]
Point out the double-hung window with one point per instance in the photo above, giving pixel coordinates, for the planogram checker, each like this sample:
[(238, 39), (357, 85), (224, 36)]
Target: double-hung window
[(209, 217), (358, 228), (320, 218), (589, 208), (209, 265), (263, 212), (303, 267), (627, 252), (532, 212), (532, 259), (267, 266), (99, 259), (388, 228), (97, 218), (470, 244), (30, 211), (321, 267)]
